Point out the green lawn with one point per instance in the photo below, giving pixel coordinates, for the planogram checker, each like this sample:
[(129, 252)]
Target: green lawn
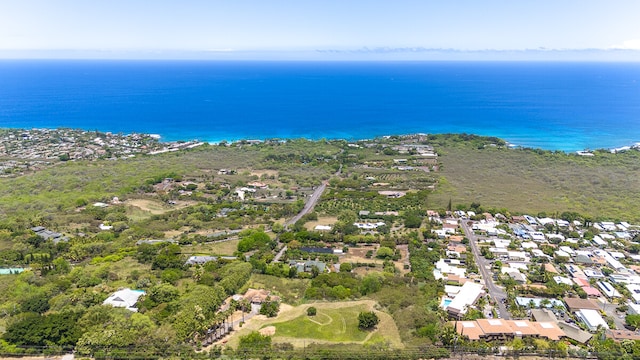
[(337, 325)]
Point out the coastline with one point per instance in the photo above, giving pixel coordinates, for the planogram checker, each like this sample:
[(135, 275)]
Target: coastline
[(168, 144)]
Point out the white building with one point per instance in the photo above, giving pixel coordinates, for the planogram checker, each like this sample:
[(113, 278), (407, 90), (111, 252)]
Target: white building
[(467, 296), (592, 319), (608, 289), (634, 289), (599, 241), (448, 266), (537, 236), (563, 280), (125, 298)]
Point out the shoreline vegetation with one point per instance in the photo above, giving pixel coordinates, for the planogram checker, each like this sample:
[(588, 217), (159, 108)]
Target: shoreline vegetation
[(215, 241)]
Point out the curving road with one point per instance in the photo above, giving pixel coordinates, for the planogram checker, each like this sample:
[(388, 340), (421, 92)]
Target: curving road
[(309, 205), (496, 293)]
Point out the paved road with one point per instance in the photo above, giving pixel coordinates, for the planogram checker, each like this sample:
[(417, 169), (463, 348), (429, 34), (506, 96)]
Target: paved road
[(495, 292), (610, 310), (312, 201), (279, 254), (308, 206)]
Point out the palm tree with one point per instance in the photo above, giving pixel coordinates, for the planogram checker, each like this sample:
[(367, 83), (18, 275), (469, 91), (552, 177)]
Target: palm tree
[(545, 303)]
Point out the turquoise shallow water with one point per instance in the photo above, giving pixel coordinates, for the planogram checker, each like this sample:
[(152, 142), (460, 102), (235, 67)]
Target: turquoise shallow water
[(558, 106)]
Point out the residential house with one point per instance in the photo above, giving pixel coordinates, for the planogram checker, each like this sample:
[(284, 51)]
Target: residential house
[(592, 319), (200, 260), (467, 296), (125, 298)]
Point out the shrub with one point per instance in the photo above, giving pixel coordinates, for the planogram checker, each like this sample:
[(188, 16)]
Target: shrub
[(367, 320), (312, 311)]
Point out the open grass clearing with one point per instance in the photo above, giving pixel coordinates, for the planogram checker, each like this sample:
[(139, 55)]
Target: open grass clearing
[(156, 207), (358, 255), (335, 322), (339, 325), (524, 181), (322, 220), (364, 270), (290, 290), (226, 247), (120, 272), (172, 234), (153, 206)]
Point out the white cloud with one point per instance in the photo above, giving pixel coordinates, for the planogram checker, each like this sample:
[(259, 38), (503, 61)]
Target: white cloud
[(627, 45)]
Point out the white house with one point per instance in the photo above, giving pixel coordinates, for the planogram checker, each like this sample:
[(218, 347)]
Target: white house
[(537, 236), (598, 241), (634, 289), (563, 280), (467, 296), (592, 319), (608, 289), (444, 267), (125, 298)]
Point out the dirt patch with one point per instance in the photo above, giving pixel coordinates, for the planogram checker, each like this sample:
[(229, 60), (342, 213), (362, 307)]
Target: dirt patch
[(284, 308), (152, 206), (268, 331), (358, 255), (171, 234), (404, 259), (156, 207)]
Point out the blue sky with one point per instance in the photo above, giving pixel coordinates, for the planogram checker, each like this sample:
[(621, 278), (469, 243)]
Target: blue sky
[(268, 26)]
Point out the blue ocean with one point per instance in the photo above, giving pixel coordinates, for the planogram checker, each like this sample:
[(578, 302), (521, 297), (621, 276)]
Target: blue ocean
[(549, 105)]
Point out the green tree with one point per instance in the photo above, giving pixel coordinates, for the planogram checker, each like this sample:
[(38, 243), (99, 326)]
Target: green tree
[(254, 344), (371, 283), (312, 311), (346, 267), (633, 320), (37, 303), (270, 308), (384, 253), (412, 221), (163, 293), (169, 256), (367, 320), (38, 330)]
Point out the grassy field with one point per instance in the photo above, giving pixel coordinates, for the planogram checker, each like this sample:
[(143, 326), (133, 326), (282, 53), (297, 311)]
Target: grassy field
[(322, 220), (605, 185), (213, 248), (335, 322)]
